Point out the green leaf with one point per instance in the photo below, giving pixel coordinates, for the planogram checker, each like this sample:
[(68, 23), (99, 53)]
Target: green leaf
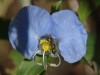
[(29, 68), (84, 10), (16, 57), (90, 46), (25, 67), (56, 7)]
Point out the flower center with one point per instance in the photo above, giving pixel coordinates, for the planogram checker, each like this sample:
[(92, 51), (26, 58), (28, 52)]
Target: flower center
[(45, 44), (48, 44), (48, 49)]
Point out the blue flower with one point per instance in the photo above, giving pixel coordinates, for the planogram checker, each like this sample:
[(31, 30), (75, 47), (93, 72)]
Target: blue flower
[(33, 22)]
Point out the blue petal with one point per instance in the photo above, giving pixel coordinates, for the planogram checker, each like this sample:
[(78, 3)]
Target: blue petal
[(70, 34), (26, 29)]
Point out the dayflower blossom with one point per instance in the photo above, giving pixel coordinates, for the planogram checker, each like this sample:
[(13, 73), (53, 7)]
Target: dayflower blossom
[(32, 22)]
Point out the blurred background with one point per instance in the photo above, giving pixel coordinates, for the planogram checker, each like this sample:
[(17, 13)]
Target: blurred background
[(88, 11)]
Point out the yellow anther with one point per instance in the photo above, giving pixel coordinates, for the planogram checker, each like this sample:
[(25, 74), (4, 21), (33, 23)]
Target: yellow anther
[(43, 41), (46, 46)]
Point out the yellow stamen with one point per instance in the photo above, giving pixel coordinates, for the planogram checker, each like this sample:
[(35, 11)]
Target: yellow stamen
[(46, 46)]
